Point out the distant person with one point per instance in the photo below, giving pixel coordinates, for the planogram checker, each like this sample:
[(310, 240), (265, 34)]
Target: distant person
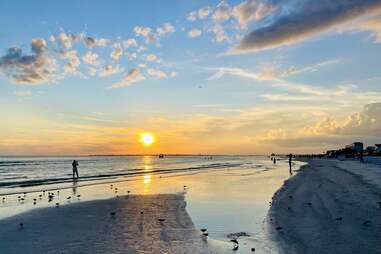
[(274, 160), (361, 156), (75, 168), (290, 162)]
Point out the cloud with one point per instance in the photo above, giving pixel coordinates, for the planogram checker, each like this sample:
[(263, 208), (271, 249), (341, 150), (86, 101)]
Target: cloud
[(366, 123), (132, 76), (250, 10), (165, 29), (219, 32), (152, 58), (90, 58), (102, 42), (308, 19), (74, 62), (108, 70), (200, 14), (90, 42), (34, 68), (194, 33), (222, 13), (117, 52), (156, 73), (146, 32), (370, 24), (130, 43), (23, 93)]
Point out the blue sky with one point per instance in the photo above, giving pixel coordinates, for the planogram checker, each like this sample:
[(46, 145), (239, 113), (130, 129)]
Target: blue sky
[(255, 76)]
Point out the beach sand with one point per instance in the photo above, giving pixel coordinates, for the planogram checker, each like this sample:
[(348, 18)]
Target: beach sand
[(89, 227), (329, 208)]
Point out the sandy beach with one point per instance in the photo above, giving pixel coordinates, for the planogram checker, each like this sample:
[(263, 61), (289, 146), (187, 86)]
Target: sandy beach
[(329, 207), (128, 224)]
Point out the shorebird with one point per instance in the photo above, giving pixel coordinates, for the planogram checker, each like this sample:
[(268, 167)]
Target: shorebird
[(112, 213), (78, 196), (57, 204), (252, 249), (205, 234), (161, 220), (203, 230), (366, 222), (339, 218), (235, 244), (278, 228), (68, 198), (21, 225)]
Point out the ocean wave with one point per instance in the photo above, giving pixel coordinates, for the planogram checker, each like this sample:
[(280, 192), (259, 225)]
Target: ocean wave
[(119, 174)]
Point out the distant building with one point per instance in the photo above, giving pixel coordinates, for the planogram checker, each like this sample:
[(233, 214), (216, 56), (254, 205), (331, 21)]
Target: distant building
[(378, 148), (356, 147)]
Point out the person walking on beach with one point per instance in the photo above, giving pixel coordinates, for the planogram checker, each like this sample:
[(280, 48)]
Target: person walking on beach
[(290, 162), (75, 168)]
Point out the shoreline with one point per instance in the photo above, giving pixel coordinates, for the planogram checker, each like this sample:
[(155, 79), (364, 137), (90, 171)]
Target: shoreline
[(127, 224), (327, 208)]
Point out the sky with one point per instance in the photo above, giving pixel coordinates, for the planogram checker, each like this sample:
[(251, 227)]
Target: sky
[(203, 77)]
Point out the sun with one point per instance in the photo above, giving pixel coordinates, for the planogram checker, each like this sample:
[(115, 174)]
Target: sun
[(147, 139)]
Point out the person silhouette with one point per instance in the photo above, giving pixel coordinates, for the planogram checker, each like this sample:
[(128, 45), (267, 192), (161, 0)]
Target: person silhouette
[(75, 168), (290, 162)]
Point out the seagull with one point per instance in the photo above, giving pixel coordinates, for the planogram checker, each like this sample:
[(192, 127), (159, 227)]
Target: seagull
[(68, 198), (366, 222), (235, 244), (78, 196)]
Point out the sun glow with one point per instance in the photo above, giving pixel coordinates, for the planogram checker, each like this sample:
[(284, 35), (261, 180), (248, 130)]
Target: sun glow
[(147, 139)]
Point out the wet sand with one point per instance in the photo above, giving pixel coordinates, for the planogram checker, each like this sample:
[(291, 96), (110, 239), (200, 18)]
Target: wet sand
[(328, 208), (91, 227)]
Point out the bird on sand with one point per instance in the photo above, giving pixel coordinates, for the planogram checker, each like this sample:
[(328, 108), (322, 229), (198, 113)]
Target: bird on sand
[(235, 244)]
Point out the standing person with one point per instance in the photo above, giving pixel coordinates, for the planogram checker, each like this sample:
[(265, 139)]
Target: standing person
[(274, 160), (75, 168), (290, 162)]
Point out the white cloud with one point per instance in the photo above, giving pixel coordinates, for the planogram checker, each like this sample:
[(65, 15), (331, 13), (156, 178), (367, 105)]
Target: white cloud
[(90, 58), (146, 32), (152, 58), (108, 70), (251, 10), (117, 52), (219, 32), (130, 43), (199, 14), (156, 73), (165, 29), (35, 68), (222, 13), (194, 33), (132, 76), (102, 42)]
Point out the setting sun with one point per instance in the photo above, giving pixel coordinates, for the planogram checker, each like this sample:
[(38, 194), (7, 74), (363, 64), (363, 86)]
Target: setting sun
[(147, 139)]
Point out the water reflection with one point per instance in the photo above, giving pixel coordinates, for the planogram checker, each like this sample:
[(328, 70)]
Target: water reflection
[(147, 160)]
